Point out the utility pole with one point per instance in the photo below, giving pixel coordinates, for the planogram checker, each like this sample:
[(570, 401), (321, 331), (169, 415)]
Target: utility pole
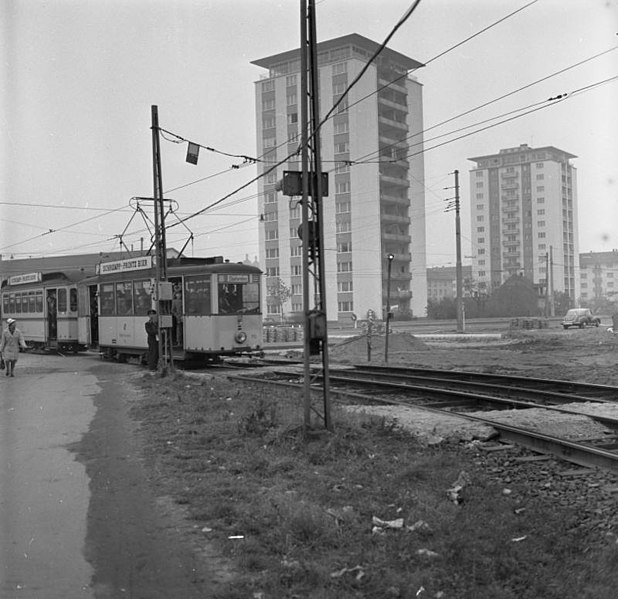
[(552, 306), (546, 309), (458, 269), (459, 305), (390, 258), (315, 324), (162, 287)]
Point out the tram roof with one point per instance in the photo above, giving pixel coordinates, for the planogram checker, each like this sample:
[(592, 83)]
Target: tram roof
[(189, 266), (49, 279)]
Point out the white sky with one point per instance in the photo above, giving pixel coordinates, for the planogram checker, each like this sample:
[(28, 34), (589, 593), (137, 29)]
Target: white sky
[(79, 77)]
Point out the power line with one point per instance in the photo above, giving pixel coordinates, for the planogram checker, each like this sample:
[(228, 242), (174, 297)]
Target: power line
[(394, 30), (328, 116), (50, 231), (488, 103), (387, 85), (557, 100), (247, 159)]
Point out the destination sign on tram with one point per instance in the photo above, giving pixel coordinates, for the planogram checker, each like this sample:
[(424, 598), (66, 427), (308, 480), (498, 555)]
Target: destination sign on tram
[(33, 277), (233, 278), (129, 264)]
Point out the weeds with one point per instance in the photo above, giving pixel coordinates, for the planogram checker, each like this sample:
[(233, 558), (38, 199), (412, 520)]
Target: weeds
[(304, 507)]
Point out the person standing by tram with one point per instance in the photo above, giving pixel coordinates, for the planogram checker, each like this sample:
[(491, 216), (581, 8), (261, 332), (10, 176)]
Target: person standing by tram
[(177, 316), (152, 330), (12, 340)]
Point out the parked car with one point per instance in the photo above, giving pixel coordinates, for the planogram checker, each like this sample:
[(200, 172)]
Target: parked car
[(580, 317)]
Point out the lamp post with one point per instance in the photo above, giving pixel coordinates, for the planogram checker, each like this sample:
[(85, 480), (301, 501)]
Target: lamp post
[(388, 305)]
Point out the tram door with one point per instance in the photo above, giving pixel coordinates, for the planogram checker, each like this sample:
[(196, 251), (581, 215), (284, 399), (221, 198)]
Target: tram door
[(52, 316), (94, 314)]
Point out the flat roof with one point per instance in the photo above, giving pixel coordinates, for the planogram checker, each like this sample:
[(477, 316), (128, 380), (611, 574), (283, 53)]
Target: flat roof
[(520, 150), (346, 40)]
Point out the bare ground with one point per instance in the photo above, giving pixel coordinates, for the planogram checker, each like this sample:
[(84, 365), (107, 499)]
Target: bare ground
[(589, 355)]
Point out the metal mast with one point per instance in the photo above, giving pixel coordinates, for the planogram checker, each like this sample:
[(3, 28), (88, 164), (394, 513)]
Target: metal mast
[(316, 334), (162, 290)]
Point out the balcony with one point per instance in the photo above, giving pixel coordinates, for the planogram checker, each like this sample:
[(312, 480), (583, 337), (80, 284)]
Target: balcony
[(391, 123), (509, 185), (393, 142), (398, 257), (391, 104), (394, 181), (389, 199), (394, 219), (398, 294), (505, 175), (396, 237), (394, 83), (400, 276)]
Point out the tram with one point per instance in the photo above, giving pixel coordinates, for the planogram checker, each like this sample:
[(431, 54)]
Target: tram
[(217, 308), (45, 306)]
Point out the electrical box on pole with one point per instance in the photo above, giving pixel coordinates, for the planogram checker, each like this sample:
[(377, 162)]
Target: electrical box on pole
[(292, 184)]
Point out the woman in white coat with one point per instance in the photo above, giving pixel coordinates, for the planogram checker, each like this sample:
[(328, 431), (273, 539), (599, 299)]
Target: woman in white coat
[(12, 340)]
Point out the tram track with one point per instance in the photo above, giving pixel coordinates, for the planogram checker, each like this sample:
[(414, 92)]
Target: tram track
[(478, 397)]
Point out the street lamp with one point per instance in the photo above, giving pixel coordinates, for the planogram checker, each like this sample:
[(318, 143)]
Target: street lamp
[(388, 305)]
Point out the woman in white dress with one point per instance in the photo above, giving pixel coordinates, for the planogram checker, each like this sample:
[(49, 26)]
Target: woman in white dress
[(12, 340)]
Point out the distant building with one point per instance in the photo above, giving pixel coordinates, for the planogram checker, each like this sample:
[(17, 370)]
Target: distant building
[(442, 281), (523, 204), (598, 276), (374, 208)]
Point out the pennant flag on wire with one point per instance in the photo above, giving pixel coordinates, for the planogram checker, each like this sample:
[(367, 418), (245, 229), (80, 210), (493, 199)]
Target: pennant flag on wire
[(193, 151)]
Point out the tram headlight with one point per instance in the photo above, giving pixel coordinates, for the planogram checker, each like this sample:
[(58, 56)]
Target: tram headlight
[(240, 337)]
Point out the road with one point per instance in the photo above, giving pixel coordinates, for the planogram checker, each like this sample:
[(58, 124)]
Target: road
[(79, 517)]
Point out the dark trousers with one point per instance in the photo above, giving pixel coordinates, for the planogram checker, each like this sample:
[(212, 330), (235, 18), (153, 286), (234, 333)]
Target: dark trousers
[(153, 353)]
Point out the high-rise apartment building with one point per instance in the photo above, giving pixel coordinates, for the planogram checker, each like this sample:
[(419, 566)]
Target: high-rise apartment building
[(599, 276), (372, 152), (523, 205)]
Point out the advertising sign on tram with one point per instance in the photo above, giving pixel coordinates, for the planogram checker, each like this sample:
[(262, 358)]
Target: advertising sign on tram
[(129, 264)]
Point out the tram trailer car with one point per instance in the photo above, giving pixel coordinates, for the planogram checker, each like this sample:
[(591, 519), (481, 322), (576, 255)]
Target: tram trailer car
[(45, 306), (219, 303)]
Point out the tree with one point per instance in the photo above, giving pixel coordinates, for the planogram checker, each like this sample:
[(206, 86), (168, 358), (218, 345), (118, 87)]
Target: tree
[(562, 302), (446, 308), (277, 293), (515, 297)]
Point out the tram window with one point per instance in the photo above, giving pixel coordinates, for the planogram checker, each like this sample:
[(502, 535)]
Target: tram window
[(230, 298), (5, 303), (124, 298), (251, 298), (32, 302), (73, 299), (141, 297), (197, 296), (18, 303), (62, 300), (107, 299), (12, 303), (24, 303), (39, 301)]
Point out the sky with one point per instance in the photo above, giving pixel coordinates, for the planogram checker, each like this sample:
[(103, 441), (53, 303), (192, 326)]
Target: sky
[(79, 77)]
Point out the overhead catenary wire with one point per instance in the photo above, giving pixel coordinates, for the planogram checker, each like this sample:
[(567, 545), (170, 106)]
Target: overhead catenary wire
[(401, 21), (489, 102), (181, 139), (543, 105), (191, 215)]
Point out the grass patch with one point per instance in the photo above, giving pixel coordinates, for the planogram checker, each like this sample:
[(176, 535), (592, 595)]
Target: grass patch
[(236, 457)]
